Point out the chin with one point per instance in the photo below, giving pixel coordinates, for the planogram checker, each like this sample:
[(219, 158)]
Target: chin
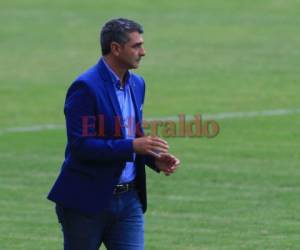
[(134, 66)]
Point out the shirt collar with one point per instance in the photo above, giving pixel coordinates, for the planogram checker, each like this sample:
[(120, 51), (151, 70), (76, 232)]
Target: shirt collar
[(114, 77)]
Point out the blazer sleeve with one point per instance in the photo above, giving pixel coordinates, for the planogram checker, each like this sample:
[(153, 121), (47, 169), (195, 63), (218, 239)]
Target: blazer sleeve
[(149, 161), (80, 102)]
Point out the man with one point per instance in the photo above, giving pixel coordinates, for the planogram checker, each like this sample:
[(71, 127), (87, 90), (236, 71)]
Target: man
[(100, 193)]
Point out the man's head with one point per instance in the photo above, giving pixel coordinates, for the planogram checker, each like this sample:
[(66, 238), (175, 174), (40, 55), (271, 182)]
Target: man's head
[(121, 38)]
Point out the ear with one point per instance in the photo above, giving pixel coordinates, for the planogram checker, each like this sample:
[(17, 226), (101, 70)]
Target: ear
[(115, 48)]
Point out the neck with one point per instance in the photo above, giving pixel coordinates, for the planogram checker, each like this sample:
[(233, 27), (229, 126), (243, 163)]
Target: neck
[(116, 67)]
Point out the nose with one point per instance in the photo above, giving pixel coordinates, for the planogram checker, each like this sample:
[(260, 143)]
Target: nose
[(142, 52)]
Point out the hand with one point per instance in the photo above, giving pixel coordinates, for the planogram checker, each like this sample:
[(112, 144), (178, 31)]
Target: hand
[(167, 163), (150, 145)]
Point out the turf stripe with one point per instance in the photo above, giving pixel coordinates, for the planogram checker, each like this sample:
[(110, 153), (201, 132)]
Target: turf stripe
[(218, 116)]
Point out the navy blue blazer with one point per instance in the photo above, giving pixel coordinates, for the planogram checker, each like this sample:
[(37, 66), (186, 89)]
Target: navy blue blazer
[(96, 151)]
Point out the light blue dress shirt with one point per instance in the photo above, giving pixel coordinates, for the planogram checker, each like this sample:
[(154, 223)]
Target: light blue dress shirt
[(128, 116)]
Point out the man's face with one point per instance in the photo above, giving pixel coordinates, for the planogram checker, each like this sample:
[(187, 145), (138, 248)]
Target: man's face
[(132, 51)]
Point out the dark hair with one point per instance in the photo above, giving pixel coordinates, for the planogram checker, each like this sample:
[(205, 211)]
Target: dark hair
[(116, 30)]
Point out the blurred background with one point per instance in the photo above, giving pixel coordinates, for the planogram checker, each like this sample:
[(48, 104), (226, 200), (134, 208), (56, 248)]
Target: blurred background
[(235, 61)]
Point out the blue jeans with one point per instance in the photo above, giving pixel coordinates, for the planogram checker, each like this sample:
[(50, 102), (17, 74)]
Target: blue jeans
[(121, 227)]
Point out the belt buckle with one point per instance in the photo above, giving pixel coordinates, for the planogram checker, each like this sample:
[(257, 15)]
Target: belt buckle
[(123, 188)]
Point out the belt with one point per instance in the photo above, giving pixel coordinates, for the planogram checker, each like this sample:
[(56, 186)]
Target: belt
[(124, 187)]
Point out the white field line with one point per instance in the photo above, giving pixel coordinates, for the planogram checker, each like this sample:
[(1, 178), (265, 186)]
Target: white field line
[(33, 128), (233, 115), (218, 116)]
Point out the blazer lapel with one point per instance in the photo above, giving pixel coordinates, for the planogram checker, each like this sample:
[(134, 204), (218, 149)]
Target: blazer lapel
[(111, 93)]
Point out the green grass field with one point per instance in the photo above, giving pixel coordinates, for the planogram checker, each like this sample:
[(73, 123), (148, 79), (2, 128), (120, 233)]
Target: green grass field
[(239, 190)]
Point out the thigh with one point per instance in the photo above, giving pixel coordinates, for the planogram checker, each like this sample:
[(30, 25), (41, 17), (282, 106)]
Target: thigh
[(127, 232), (80, 231)]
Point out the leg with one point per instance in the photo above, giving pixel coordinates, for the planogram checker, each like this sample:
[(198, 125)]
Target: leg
[(127, 232), (80, 231)]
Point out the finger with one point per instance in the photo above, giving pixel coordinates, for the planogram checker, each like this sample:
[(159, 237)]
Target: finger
[(159, 144), (158, 149), (172, 160), (171, 169), (167, 156), (158, 139), (169, 162), (177, 162)]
